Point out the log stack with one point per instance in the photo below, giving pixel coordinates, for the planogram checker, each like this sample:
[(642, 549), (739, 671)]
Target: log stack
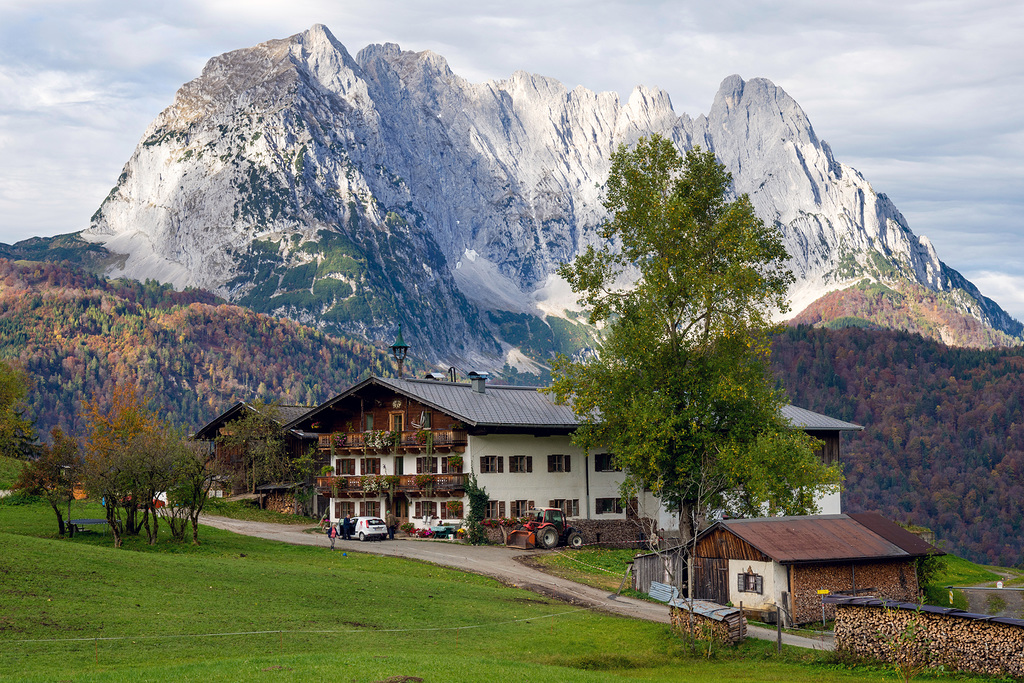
[(947, 637), (708, 621)]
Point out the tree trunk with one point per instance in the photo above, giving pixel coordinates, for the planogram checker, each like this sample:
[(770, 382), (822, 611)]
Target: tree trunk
[(112, 523), (60, 519)]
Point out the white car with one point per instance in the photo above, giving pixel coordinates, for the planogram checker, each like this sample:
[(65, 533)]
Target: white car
[(369, 527)]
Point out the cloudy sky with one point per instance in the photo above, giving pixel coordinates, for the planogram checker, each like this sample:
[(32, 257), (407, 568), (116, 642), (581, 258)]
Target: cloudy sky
[(925, 98)]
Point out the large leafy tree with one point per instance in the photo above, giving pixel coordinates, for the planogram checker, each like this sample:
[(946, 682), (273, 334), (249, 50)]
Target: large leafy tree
[(258, 440), (53, 474), (684, 286), (121, 435)]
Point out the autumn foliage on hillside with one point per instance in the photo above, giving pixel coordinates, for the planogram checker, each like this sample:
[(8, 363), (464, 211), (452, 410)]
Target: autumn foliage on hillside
[(76, 334), (943, 444), (902, 306)]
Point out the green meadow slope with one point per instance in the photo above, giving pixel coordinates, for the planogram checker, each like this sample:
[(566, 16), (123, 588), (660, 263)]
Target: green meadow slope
[(240, 608)]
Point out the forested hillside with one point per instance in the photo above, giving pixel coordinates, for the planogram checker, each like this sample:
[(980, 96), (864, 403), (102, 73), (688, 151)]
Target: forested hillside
[(943, 444), (905, 306), (76, 334)]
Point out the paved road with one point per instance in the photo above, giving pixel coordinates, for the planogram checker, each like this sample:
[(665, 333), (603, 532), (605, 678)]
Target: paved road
[(503, 564)]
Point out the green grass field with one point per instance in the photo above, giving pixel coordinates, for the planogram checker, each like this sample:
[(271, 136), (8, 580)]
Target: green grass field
[(9, 470), (240, 608)]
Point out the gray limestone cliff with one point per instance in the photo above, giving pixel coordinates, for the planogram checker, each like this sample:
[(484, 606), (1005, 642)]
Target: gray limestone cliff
[(357, 193)]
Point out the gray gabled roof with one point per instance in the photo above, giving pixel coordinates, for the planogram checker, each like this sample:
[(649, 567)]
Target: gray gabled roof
[(519, 407), (498, 406), (809, 420)]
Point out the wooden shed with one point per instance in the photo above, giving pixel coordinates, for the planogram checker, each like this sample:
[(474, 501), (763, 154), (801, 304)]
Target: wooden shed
[(786, 561)]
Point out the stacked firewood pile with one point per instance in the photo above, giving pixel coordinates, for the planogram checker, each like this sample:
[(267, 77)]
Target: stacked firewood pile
[(729, 627), (906, 633), (280, 502), (895, 580)]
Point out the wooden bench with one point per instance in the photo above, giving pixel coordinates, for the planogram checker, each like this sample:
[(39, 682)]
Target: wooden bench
[(663, 592)]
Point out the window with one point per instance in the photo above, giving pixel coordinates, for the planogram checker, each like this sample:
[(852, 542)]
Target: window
[(396, 422), (345, 466), (750, 583), (448, 468), (425, 508), (493, 511), (519, 507), (369, 466), (603, 463), (426, 465), (520, 463), (399, 465), (569, 508), (607, 506), (344, 507), (491, 464), (369, 508), (369, 422), (558, 463)]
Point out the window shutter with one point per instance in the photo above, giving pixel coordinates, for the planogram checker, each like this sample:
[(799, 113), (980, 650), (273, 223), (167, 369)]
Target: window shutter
[(552, 503), (501, 464), (530, 505), (741, 584), (501, 508), (568, 468), (419, 509), (551, 463), (529, 463), (759, 584)]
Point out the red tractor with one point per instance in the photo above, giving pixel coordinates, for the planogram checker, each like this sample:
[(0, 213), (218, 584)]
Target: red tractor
[(545, 528)]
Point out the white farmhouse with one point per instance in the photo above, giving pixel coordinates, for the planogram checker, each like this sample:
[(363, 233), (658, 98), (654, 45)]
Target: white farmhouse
[(408, 445)]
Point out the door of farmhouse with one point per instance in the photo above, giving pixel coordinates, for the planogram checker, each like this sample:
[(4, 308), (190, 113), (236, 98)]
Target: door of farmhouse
[(712, 579)]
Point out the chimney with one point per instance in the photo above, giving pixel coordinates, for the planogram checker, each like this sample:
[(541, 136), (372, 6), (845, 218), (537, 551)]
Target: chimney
[(479, 382)]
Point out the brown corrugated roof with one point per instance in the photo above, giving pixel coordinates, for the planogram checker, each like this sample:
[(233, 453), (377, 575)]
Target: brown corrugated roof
[(818, 538), (912, 543)]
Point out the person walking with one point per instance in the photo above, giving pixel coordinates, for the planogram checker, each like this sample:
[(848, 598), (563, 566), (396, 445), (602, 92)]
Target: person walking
[(392, 524), (333, 533), (346, 528)]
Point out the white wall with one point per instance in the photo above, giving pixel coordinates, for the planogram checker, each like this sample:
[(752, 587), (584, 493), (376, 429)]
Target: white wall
[(542, 486), (775, 581)]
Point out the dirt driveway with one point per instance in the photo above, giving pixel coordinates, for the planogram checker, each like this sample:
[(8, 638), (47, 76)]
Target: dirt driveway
[(494, 561)]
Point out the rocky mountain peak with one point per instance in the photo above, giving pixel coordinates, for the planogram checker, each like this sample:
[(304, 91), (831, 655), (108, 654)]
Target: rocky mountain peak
[(359, 193)]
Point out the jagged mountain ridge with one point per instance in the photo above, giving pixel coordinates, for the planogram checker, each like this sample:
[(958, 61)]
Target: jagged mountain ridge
[(357, 193)]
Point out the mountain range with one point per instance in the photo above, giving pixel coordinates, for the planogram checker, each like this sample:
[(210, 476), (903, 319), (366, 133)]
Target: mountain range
[(355, 194)]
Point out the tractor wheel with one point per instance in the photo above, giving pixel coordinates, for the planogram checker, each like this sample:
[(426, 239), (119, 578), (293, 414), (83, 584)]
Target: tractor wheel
[(547, 537), (574, 540)]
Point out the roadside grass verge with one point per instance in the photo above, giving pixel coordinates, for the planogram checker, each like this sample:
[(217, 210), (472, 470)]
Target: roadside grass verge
[(249, 511), (242, 608), (597, 567)]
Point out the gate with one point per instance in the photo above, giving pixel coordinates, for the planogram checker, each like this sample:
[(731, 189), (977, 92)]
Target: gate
[(711, 579)]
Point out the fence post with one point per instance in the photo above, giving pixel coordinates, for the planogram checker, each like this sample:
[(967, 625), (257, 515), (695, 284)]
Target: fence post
[(778, 627)]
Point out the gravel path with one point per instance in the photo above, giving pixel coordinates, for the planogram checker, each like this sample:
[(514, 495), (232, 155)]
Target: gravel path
[(500, 563)]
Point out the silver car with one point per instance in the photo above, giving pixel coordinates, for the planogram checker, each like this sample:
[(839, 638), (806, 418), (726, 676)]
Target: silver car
[(369, 527)]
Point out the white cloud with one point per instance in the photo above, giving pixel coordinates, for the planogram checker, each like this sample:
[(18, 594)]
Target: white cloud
[(1005, 289)]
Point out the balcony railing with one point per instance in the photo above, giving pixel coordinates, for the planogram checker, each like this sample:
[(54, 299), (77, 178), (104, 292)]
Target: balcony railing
[(377, 485), (417, 440)]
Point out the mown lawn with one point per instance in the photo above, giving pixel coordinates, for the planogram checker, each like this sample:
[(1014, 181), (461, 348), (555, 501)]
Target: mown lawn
[(241, 608)]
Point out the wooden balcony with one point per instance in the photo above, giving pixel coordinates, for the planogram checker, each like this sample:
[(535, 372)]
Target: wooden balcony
[(413, 485), (436, 440)]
